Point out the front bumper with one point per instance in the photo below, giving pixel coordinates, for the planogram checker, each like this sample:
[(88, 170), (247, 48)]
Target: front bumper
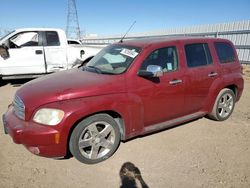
[(38, 139)]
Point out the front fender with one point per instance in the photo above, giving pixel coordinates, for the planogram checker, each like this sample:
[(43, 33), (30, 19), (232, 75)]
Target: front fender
[(128, 107)]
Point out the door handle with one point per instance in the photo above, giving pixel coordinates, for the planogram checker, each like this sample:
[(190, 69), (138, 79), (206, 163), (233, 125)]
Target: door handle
[(38, 52), (212, 74), (174, 82)]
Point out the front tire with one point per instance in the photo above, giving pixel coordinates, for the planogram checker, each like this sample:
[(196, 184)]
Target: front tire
[(223, 106), (95, 139)]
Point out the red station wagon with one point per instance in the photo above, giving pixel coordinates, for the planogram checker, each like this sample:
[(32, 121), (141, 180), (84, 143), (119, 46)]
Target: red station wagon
[(128, 89)]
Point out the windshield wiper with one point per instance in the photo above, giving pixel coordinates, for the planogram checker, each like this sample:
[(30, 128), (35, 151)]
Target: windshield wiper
[(106, 72), (96, 69)]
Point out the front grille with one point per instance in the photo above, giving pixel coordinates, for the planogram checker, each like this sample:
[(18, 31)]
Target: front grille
[(19, 107)]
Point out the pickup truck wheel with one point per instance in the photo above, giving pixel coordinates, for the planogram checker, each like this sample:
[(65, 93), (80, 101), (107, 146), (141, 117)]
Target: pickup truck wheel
[(95, 139), (224, 105)]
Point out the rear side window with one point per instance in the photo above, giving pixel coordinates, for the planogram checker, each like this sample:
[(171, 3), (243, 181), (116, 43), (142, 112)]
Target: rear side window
[(198, 55), (225, 52), (52, 38)]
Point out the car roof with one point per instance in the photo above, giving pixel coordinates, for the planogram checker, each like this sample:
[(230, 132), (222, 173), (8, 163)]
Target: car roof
[(144, 42), (37, 29)]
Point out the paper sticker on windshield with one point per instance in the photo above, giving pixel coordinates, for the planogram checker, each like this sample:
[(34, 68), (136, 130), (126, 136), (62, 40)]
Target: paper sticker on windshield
[(130, 53)]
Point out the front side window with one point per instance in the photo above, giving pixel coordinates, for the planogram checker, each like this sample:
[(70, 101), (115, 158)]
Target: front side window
[(24, 39), (52, 38), (225, 52), (197, 55), (165, 57), (114, 59)]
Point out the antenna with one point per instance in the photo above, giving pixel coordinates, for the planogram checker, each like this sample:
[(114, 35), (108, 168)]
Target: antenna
[(127, 32), (72, 28)]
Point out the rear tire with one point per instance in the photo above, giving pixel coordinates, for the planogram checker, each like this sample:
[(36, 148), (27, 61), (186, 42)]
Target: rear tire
[(223, 106), (95, 139)]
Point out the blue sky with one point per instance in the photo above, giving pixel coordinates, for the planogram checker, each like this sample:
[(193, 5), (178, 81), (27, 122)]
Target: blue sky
[(107, 17)]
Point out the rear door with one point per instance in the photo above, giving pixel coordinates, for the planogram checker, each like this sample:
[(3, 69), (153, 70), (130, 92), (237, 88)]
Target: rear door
[(26, 54), (201, 72), (55, 52)]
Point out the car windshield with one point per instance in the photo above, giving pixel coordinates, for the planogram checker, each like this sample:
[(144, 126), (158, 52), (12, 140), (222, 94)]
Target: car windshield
[(6, 35), (114, 59)]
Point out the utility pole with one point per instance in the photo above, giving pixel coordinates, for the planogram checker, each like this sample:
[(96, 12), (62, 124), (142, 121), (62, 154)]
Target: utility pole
[(72, 29)]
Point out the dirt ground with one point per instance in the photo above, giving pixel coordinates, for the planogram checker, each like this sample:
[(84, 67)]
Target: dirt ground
[(202, 153)]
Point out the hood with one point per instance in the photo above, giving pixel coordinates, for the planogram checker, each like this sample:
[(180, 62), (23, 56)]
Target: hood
[(70, 84)]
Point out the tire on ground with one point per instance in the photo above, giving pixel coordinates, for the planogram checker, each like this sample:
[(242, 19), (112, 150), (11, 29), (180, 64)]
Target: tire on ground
[(98, 134), (223, 106)]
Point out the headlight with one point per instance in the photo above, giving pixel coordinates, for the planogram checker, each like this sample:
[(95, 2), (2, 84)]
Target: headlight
[(48, 116)]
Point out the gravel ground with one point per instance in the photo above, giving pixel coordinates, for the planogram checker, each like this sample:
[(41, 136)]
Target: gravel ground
[(201, 153)]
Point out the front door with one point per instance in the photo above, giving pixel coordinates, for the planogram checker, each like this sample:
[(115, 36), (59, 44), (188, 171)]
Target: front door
[(26, 55), (163, 97)]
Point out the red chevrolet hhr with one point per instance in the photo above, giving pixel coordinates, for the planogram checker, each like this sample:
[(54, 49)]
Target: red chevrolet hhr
[(128, 89)]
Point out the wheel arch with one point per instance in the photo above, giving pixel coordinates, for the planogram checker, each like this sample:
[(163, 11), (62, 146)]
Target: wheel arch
[(234, 88), (117, 117), (224, 92), (215, 90)]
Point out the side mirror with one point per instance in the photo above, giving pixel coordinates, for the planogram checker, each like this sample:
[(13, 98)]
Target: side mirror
[(152, 71), (4, 53), (82, 52)]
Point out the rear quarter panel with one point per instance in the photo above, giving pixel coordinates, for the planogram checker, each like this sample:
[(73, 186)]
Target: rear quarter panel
[(230, 74)]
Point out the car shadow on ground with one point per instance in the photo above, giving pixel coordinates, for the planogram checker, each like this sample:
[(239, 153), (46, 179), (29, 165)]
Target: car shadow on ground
[(131, 176), (14, 83)]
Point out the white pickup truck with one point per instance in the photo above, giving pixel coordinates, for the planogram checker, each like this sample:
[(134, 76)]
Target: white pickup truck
[(27, 53)]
